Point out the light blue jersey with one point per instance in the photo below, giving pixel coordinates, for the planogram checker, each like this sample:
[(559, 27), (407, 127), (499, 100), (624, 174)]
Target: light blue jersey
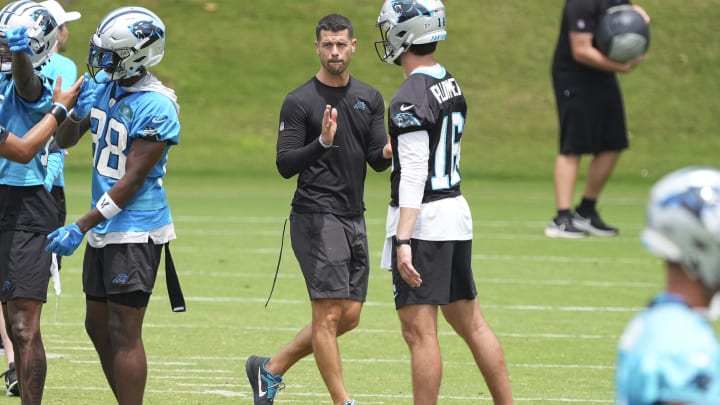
[(18, 116), (668, 353), (60, 65), (118, 118)]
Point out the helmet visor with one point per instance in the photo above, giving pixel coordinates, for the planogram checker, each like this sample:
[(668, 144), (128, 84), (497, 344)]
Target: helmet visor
[(101, 59)]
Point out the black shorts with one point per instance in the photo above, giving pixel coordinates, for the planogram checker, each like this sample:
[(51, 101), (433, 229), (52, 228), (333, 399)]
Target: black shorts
[(58, 193), (31, 209), (591, 115), (120, 269), (446, 272), (333, 254), (24, 265)]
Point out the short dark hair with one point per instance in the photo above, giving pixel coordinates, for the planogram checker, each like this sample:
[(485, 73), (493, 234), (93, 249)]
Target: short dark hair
[(333, 23), (423, 49)]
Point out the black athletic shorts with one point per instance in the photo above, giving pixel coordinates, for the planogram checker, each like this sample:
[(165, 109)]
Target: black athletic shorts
[(446, 272), (27, 215), (333, 254), (58, 193), (120, 268), (591, 115), (24, 265)]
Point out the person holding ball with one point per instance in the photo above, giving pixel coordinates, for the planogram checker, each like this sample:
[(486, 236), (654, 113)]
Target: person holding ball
[(591, 117)]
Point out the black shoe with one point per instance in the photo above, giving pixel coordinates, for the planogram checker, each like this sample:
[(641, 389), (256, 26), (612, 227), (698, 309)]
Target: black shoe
[(11, 383), (594, 225), (264, 384), (563, 227)]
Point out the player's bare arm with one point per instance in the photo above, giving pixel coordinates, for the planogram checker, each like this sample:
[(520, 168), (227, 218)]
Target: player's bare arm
[(23, 149), (142, 157), (584, 52), (27, 84)]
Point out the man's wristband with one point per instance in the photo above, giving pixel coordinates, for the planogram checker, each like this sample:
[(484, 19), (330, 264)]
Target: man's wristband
[(59, 112), (403, 242), (107, 206)]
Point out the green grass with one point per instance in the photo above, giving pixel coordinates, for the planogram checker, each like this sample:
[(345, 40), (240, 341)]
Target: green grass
[(557, 306)]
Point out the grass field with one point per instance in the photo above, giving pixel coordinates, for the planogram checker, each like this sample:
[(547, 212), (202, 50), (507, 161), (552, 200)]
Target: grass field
[(558, 306)]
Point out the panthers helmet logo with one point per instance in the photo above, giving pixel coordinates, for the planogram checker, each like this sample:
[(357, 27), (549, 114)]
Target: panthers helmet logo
[(407, 9), (146, 30)]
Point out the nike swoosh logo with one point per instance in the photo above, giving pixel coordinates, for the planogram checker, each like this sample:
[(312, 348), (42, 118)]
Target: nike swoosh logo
[(261, 393), (158, 120), (404, 107)]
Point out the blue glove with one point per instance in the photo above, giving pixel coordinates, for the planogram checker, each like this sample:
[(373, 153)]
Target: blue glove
[(65, 240), (85, 99), (18, 41), (55, 164)]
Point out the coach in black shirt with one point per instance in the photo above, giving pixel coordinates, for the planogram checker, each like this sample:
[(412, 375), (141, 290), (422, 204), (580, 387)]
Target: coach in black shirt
[(331, 128)]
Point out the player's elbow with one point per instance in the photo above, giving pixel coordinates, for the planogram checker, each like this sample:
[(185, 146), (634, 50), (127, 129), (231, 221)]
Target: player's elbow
[(284, 171), (23, 156)]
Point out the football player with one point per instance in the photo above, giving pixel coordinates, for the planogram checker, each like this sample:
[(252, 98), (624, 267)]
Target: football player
[(429, 224), (134, 122), (669, 353)]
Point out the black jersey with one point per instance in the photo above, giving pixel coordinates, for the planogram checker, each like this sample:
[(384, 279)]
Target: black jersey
[(331, 180), (430, 100), (579, 16)]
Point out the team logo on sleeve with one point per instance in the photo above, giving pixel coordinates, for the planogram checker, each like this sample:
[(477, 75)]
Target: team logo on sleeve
[(406, 120)]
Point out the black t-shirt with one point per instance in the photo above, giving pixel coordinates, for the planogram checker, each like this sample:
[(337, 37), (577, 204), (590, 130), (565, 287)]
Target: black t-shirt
[(430, 100), (579, 16), (331, 180)]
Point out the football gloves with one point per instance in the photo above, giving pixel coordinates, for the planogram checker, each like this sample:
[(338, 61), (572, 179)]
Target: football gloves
[(65, 240), (18, 41)]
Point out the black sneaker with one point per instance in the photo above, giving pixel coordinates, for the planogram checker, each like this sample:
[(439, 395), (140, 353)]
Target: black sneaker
[(594, 225), (11, 383), (264, 384), (563, 227)]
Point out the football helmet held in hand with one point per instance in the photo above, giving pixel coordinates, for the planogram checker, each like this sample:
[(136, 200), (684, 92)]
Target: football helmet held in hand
[(683, 222), (408, 22), (127, 42), (41, 30)]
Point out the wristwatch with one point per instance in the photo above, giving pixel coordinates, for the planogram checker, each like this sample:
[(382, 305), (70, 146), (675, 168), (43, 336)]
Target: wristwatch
[(403, 242)]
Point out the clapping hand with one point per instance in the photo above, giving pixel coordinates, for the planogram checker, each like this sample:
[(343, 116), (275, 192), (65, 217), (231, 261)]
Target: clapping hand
[(66, 97), (65, 240), (18, 41)]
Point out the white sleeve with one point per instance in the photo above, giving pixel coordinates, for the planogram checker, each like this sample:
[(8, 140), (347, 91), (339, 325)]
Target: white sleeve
[(413, 153)]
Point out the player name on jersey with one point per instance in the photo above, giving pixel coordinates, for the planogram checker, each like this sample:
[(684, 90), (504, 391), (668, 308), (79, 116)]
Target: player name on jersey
[(445, 90)]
